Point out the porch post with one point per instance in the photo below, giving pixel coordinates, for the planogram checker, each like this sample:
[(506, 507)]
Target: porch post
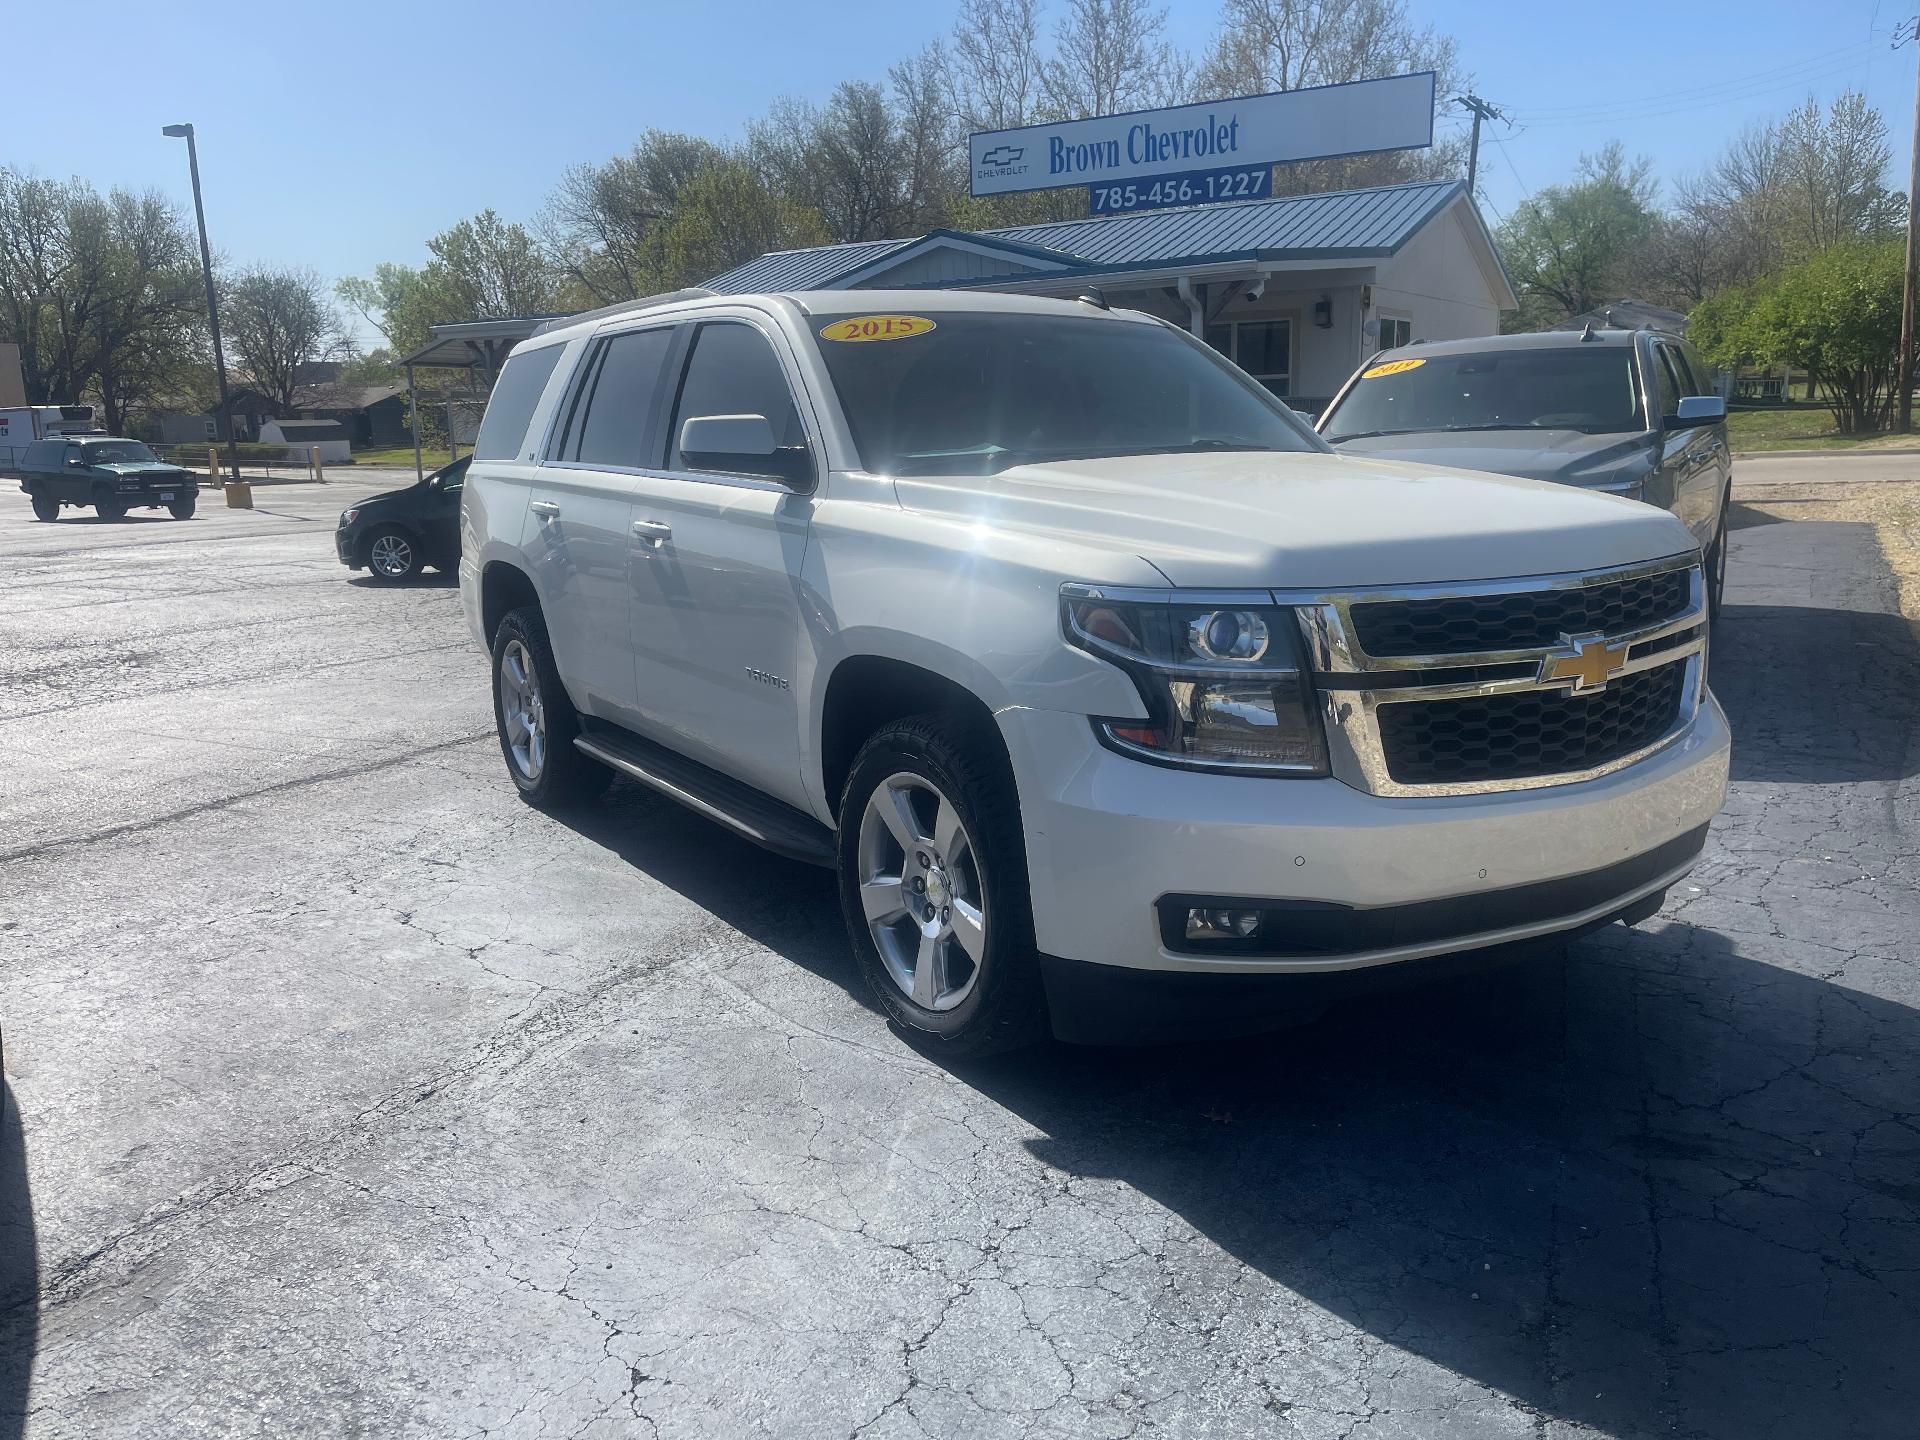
[(413, 414)]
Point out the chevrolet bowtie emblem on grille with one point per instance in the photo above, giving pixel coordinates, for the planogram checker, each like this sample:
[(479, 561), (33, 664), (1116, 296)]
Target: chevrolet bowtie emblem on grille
[(1589, 661)]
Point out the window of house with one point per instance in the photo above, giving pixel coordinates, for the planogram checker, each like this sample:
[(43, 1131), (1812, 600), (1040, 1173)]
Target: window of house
[(1262, 348), (1395, 331)]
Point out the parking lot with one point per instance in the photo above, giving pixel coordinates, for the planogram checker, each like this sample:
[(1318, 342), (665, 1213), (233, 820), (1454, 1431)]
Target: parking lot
[(351, 1095)]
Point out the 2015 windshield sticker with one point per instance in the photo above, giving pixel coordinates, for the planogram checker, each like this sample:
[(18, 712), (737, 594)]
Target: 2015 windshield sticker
[(860, 328), (1392, 367)]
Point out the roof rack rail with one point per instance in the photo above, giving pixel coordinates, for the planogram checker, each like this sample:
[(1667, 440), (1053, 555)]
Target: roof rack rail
[(622, 307)]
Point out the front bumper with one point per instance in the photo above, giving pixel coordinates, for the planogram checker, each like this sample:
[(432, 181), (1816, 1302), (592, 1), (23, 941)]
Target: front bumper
[(344, 545), (1108, 837)]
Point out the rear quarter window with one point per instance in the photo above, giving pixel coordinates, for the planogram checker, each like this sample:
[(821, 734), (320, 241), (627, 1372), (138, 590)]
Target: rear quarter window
[(515, 396)]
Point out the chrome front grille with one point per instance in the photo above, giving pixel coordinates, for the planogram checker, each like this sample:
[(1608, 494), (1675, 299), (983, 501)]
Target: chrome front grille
[(1464, 689)]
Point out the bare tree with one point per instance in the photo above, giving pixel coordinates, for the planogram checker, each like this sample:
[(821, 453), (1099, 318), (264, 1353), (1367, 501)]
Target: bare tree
[(277, 322), (1267, 45), (1110, 56), (936, 168), (994, 70), (600, 226)]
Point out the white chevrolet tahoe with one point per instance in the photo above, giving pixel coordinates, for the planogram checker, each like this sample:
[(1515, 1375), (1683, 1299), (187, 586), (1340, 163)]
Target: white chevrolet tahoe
[(1116, 700)]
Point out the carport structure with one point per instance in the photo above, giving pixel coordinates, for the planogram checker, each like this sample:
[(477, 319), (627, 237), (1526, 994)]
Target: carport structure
[(475, 346)]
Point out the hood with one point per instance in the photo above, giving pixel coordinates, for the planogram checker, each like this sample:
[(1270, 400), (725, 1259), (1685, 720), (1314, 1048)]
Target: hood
[(1308, 520), (1571, 457), (142, 467)]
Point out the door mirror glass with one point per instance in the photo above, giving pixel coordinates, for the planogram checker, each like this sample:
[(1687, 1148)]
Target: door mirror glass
[(1698, 410), (742, 445)]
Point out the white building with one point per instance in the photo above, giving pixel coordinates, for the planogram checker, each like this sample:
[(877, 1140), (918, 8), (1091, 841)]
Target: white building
[(1298, 290)]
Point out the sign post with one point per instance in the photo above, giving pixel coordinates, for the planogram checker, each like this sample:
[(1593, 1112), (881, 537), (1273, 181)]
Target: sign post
[(1204, 153)]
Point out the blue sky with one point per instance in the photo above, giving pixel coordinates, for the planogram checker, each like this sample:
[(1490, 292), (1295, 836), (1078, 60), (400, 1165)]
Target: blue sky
[(344, 135)]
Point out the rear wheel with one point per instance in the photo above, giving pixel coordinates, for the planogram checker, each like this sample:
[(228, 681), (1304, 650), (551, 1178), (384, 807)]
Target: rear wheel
[(933, 883), (536, 721), (45, 507), (393, 554)]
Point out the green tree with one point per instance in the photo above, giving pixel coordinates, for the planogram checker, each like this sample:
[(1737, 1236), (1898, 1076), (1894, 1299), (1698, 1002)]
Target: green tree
[(727, 216), (277, 321), (1567, 247), (1835, 315)]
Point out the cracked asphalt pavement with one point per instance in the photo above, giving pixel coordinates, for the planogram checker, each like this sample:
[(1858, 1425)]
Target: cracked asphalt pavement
[(351, 1097)]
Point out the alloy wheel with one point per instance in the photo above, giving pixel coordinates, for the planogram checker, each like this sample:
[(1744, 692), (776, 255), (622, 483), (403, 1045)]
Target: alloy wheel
[(921, 891), (391, 555), (523, 714)]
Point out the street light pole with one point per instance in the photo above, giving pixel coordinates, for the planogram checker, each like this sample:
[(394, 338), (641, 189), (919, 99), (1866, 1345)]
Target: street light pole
[(185, 132)]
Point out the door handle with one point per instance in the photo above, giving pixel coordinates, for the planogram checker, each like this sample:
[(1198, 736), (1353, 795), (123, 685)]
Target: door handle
[(655, 533), (545, 509)]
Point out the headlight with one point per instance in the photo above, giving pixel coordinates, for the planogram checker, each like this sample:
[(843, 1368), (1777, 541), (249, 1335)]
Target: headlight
[(347, 516), (1225, 686)]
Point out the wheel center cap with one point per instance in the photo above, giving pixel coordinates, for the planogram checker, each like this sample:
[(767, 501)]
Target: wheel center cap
[(937, 891)]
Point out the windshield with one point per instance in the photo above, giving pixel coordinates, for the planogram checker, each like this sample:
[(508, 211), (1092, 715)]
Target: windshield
[(972, 394), (118, 452), (1591, 389)]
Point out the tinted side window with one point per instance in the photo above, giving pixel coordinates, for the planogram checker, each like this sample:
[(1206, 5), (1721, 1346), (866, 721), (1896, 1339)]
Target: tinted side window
[(1695, 378), (511, 405), (733, 371), (611, 425), (1664, 380), (41, 455)]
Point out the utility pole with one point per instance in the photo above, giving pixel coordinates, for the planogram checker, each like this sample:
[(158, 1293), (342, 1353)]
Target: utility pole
[(185, 132), (1903, 372), (1481, 111)]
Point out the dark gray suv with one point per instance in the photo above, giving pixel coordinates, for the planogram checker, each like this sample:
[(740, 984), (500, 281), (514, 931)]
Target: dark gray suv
[(1631, 412)]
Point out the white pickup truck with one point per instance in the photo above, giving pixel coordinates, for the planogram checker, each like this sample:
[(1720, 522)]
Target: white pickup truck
[(1116, 700)]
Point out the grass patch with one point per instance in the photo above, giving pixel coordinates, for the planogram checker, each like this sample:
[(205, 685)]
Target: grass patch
[(433, 459), (1801, 428)]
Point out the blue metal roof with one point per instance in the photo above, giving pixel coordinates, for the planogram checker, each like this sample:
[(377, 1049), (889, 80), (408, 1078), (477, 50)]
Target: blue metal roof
[(1346, 223)]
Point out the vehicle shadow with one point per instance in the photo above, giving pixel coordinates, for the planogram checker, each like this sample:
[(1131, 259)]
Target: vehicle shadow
[(19, 1271), (425, 580), (1646, 1184), (1817, 696)]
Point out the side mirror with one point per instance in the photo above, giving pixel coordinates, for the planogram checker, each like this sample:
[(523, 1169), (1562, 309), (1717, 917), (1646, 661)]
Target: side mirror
[(743, 445), (1698, 410)]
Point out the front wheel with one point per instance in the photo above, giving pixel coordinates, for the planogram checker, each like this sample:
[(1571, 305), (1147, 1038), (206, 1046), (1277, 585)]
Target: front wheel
[(45, 507), (181, 509), (1716, 566), (933, 883), (393, 554), (109, 506), (536, 721)]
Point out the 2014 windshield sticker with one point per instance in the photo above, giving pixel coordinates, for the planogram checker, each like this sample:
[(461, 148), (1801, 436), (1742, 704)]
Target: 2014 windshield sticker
[(1392, 367), (861, 328)]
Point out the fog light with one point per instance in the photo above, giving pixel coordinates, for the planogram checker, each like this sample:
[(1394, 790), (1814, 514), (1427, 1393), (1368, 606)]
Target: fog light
[(1222, 924)]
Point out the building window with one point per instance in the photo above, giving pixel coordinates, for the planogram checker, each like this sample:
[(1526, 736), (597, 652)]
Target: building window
[(1262, 348), (1395, 331)]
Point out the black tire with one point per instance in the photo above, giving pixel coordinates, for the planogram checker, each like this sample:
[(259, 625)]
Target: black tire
[(107, 505), (1716, 564), (563, 776), (45, 507), (393, 554), (1006, 1006), (181, 509)]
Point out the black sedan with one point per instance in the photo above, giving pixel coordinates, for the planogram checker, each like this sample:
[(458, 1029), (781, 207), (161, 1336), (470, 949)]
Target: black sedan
[(393, 536)]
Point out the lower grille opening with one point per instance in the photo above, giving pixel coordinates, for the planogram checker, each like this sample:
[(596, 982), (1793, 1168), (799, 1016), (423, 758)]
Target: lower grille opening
[(1528, 734)]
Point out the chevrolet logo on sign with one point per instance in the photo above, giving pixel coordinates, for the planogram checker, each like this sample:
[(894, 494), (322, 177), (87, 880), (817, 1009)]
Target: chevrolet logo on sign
[(1588, 661), (1003, 154)]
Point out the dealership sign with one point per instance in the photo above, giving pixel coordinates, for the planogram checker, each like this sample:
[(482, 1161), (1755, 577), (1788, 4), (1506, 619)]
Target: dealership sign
[(1391, 114)]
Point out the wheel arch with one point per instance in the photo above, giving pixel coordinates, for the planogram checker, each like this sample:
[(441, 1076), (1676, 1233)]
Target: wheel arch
[(866, 691), (504, 586)]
